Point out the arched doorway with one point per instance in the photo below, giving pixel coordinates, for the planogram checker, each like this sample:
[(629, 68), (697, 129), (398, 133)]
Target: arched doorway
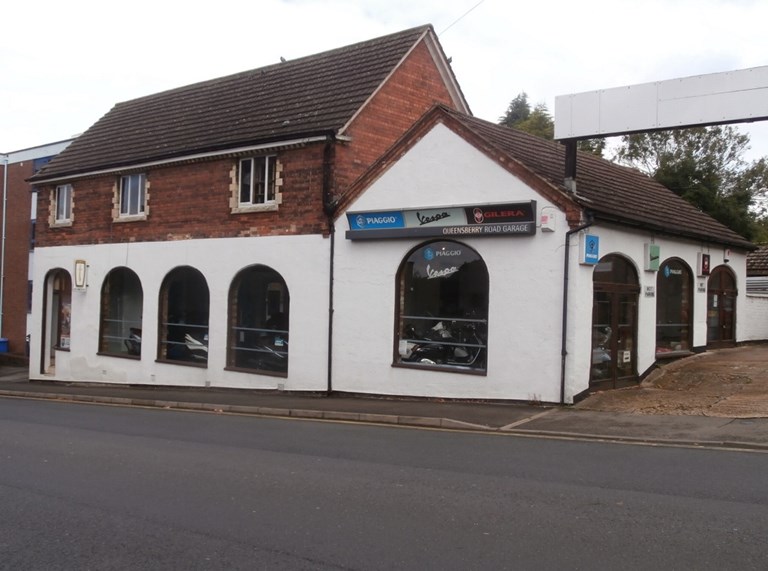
[(57, 314), (721, 308), (614, 323)]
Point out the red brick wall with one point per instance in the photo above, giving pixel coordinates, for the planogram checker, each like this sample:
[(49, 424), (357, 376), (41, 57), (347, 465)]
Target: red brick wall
[(193, 201), (413, 89), (16, 256)]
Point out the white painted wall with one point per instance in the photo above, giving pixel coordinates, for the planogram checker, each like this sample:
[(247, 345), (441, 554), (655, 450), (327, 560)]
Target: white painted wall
[(756, 316), (524, 272), (303, 261), (526, 286), (630, 244)]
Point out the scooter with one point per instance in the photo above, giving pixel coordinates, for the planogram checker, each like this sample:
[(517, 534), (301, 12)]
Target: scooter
[(446, 345)]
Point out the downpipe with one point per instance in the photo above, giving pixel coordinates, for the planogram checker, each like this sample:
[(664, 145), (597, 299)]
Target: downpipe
[(2, 247), (566, 277)]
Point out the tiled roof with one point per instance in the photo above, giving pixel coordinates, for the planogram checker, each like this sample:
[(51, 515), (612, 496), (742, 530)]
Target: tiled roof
[(610, 191), (757, 262), (313, 95)]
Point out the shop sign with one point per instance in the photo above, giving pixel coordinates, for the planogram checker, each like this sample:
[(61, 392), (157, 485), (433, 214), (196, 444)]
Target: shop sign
[(591, 249), (481, 220), (652, 257)]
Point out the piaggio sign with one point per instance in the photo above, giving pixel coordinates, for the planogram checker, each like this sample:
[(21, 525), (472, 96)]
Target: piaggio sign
[(481, 220)]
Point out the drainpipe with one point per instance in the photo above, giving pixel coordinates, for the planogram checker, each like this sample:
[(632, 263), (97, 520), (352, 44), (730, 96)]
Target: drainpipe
[(566, 273), (2, 248), (329, 209)]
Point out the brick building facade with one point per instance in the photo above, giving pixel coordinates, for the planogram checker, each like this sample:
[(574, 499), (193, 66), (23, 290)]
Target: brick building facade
[(18, 211), (182, 227)]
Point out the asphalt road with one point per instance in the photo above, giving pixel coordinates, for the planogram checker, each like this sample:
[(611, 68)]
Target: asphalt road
[(95, 487)]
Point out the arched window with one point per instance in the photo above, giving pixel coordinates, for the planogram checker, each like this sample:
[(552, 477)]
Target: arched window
[(442, 300), (674, 307), (121, 309), (259, 306), (183, 324)]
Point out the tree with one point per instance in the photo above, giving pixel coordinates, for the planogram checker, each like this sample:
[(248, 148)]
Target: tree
[(705, 165), (519, 110), (540, 123)]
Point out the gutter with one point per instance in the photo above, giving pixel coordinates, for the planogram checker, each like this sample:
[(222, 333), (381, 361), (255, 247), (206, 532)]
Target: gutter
[(170, 161), (2, 247), (566, 276)]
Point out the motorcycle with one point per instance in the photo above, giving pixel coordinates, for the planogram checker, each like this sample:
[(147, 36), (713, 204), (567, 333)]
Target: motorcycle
[(456, 344)]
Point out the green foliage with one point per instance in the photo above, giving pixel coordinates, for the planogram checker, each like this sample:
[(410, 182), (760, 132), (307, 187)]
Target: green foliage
[(539, 122), (519, 110), (705, 165)]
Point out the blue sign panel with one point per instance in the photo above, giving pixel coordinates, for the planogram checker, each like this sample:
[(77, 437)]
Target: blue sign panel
[(591, 249), (376, 220)]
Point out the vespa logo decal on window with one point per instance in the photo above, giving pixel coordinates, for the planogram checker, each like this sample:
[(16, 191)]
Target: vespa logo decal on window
[(429, 254), (445, 272)]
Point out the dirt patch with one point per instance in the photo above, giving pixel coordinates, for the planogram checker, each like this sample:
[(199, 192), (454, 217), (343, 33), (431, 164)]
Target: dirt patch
[(727, 382)]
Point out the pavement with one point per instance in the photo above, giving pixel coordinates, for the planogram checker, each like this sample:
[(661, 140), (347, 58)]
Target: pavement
[(714, 399)]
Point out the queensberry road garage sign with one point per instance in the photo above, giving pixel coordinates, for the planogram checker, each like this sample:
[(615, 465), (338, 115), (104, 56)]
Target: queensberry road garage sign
[(479, 220)]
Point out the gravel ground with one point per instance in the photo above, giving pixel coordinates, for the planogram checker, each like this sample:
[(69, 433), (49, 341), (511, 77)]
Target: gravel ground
[(730, 383)]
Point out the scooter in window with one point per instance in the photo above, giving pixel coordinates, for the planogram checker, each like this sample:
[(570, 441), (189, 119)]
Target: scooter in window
[(455, 345)]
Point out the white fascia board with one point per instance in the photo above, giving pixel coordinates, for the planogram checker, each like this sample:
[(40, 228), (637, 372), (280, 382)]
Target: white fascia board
[(739, 96)]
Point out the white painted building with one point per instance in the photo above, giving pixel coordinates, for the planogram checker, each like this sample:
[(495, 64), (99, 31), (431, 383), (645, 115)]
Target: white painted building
[(643, 297)]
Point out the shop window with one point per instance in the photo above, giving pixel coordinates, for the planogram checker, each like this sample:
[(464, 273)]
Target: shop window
[(121, 313), (259, 306), (674, 308), (183, 323), (442, 300)]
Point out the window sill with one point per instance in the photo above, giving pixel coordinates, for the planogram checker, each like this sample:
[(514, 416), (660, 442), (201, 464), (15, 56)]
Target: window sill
[(257, 372), (182, 363), (62, 224), (120, 356), (132, 218), (674, 354), (442, 369), (246, 208)]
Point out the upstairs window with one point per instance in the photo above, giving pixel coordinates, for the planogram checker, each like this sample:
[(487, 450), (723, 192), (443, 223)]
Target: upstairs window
[(256, 180), (63, 200), (132, 195)]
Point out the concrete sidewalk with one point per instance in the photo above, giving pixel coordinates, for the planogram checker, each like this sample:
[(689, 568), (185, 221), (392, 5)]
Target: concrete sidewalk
[(678, 405)]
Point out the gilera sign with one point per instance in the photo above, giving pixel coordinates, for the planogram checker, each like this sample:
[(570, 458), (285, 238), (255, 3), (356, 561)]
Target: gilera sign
[(478, 220)]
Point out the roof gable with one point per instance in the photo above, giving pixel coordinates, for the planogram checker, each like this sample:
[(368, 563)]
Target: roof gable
[(313, 95), (608, 191)]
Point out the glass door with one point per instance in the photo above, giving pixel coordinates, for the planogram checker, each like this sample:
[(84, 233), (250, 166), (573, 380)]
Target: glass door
[(614, 324)]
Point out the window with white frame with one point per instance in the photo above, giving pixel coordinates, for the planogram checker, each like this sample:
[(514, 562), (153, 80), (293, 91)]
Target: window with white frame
[(132, 195), (256, 180), (63, 203)]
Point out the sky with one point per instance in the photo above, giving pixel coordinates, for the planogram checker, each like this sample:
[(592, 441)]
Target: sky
[(65, 64)]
